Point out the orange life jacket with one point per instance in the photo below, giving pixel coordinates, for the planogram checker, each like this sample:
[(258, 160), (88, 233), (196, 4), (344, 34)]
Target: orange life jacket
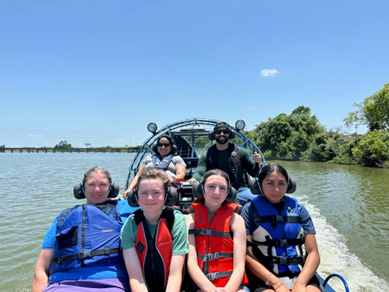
[(214, 244), (155, 253)]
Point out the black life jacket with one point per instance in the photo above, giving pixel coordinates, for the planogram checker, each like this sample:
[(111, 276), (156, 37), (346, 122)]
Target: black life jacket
[(235, 171), (155, 253)]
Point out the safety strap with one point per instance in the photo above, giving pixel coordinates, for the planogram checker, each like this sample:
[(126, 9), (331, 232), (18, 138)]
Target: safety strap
[(209, 232), (217, 275), (274, 219), (214, 256), (87, 254)]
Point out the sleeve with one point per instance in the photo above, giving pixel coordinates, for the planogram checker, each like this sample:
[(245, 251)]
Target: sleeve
[(49, 240), (248, 214), (128, 233), (147, 160), (179, 234), (177, 160), (306, 221), (247, 161), (201, 168)]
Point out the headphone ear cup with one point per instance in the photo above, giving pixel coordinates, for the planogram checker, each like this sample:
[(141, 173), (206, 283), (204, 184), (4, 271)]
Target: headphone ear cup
[(231, 195), (198, 190), (171, 197), (132, 198), (113, 190), (154, 148), (292, 186), (78, 191), (211, 136), (232, 134), (254, 186)]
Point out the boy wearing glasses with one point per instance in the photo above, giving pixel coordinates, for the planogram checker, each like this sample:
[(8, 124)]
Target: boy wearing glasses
[(231, 159)]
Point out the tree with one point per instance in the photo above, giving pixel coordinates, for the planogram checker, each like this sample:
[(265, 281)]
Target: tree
[(63, 145), (373, 111)]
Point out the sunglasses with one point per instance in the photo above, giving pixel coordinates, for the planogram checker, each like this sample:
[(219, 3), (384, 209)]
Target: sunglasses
[(163, 144), (225, 132)]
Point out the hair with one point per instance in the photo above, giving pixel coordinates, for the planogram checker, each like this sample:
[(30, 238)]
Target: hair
[(153, 173), (270, 168), (171, 141), (96, 169), (215, 172)]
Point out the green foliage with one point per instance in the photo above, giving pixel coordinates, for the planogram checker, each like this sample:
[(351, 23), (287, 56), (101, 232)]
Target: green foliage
[(321, 149), (373, 111), (63, 145), (287, 136)]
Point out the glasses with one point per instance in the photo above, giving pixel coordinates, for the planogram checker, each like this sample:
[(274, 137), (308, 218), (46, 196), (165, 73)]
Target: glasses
[(225, 132), (163, 144)]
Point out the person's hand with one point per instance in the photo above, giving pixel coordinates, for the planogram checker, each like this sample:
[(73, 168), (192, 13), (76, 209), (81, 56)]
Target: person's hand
[(297, 287), (125, 193), (192, 179), (221, 290), (257, 158), (171, 180), (281, 288)]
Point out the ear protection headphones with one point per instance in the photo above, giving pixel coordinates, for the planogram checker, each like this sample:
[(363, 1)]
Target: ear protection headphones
[(198, 192), (78, 191), (211, 134), (255, 186), (170, 197)]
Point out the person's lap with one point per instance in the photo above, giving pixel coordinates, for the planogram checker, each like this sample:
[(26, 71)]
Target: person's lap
[(109, 285)]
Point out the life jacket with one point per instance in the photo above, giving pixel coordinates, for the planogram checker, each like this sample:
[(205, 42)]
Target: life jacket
[(164, 163), (235, 170), (280, 237), (214, 244), (155, 253), (88, 236)]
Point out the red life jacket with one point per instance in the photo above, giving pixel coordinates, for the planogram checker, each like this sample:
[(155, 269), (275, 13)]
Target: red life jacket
[(155, 253), (214, 244)]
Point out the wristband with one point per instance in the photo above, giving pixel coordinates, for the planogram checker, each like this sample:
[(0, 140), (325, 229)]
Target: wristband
[(268, 279), (275, 289)]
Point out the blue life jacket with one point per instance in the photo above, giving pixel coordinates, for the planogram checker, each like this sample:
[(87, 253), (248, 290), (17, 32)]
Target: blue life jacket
[(164, 163), (88, 236), (280, 237)]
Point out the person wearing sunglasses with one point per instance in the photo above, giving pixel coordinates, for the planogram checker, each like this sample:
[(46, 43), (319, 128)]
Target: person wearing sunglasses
[(230, 158), (166, 158)]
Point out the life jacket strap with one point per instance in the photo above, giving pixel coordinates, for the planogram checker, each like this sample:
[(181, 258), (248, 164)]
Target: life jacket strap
[(87, 254), (288, 261), (217, 275), (274, 219), (209, 232), (214, 256)]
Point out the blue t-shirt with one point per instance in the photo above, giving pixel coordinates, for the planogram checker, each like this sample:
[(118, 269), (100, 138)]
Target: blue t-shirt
[(252, 219), (88, 273)]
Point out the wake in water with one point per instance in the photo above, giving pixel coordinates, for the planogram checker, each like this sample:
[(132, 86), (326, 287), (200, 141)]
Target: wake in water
[(336, 257)]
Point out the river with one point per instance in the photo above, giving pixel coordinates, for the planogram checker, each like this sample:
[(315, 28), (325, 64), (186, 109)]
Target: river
[(349, 206)]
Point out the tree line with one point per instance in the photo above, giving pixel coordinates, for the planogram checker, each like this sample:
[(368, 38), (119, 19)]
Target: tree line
[(300, 136)]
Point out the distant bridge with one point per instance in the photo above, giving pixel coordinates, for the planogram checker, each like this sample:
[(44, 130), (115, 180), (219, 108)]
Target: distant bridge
[(70, 150)]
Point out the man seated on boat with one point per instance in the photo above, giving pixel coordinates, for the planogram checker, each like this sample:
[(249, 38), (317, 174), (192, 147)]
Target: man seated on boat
[(165, 158), (231, 159), (81, 251)]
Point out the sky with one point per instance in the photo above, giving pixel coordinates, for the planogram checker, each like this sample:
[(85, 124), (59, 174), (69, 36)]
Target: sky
[(99, 71)]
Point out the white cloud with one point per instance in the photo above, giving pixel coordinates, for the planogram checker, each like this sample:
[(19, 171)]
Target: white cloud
[(35, 136), (269, 72)]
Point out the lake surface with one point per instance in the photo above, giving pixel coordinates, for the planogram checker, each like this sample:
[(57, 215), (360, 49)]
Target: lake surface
[(349, 206)]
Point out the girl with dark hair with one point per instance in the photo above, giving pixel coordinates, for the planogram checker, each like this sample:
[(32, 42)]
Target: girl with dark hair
[(278, 230), (217, 242), (164, 158)]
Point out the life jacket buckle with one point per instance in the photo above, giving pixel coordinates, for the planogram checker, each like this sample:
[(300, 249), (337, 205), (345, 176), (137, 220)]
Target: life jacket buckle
[(213, 276), (61, 259), (207, 232), (212, 256), (86, 254)]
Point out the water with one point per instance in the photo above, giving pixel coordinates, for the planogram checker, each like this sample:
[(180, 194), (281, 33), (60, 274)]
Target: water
[(348, 205)]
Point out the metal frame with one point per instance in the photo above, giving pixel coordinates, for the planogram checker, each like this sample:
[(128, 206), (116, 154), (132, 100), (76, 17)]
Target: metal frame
[(146, 147)]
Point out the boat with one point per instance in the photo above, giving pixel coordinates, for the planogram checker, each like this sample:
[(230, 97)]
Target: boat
[(191, 139)]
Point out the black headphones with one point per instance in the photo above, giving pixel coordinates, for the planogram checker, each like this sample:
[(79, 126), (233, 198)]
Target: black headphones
[(170, 197), (255, 186), (198, 192), (78, 191)]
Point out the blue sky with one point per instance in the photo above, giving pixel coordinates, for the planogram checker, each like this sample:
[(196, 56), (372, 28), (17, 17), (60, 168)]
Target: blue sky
[(100, 71)]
